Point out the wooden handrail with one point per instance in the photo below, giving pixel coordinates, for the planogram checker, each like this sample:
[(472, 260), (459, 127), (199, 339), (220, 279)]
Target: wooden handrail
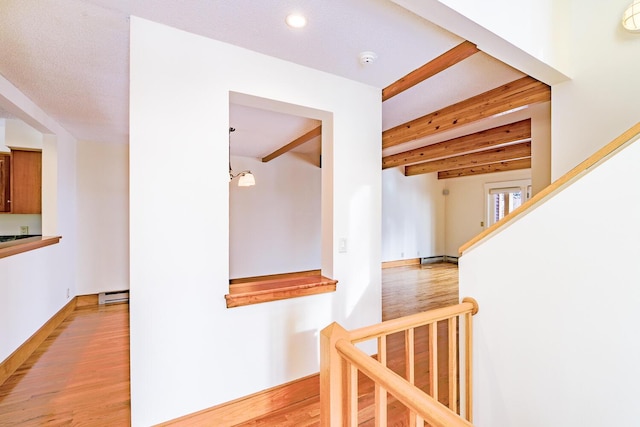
[(412, 397), (468, 305), (598, 157)]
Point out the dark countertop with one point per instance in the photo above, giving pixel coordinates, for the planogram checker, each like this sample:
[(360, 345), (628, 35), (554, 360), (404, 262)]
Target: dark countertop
[(9, 238)]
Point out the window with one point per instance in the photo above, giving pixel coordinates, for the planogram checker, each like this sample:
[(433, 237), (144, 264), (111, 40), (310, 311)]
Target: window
[(505, 197)]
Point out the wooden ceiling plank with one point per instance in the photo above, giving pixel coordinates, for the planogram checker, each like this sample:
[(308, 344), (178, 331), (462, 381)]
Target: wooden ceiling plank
[(293, 144), (510, 165), (517, 131), (430, 69), (494, 155), (517, 94)]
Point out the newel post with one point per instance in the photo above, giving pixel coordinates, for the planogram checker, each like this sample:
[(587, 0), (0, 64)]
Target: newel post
[(332, 377)]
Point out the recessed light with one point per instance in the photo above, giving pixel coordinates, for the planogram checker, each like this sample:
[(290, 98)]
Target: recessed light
[(295, 20)]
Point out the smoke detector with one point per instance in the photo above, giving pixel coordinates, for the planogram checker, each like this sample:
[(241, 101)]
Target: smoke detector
[(367, 57)]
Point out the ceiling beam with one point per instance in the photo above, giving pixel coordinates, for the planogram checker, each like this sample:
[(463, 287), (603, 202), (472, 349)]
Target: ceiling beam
[(512, 132), (493, 155), (293, 144), (430, 69), (519, 93), (509, 165)]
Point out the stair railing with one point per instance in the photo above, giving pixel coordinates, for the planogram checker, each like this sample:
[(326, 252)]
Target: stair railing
[(341, 360)]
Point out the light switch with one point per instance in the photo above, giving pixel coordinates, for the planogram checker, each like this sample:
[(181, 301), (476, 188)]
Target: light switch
[(342, 245)]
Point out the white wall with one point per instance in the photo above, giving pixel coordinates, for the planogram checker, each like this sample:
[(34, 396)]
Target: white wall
[(558, 293), (528, 24), (465, 206), (413, 215), (540, 146), (515, 32), (188, 351), (10, 224), (17, 134), (20, 135), (35, 284), (275, 226), (103, 217), (599, 102)]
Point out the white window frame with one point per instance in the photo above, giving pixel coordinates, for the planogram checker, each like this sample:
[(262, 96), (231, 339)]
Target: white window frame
[(493, 187)]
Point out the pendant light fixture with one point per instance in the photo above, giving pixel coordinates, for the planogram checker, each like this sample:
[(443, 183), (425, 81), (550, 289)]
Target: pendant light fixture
[(631, 17), (246, 177)]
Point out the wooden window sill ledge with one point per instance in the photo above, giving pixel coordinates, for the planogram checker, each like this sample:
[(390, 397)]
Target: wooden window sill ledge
[(24, 245), (291, 286)]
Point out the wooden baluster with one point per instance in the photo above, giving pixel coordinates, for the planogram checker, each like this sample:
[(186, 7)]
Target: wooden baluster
[(352, 396), (468, 365), (409, 363), (453, 363), (433, 360), (380, 392), (469, 357), (409, 355)]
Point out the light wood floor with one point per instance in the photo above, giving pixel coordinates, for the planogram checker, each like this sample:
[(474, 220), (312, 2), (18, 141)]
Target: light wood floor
[(80, 375), (414, 289)]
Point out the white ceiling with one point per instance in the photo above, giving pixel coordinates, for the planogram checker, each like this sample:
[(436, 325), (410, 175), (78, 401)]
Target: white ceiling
[(71, 57), (259, 133)]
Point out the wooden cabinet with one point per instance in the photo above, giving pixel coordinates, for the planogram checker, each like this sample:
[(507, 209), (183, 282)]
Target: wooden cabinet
[(21, 182), (26, 182), (5, 182)]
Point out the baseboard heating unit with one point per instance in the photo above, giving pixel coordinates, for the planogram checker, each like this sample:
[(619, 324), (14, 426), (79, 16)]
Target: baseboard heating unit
[(113, 297), (439, 258), (432, 259)]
